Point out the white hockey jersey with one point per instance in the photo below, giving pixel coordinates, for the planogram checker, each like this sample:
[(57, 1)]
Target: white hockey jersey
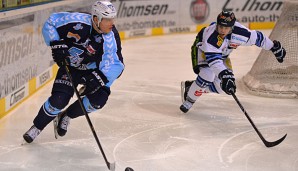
[(211, 50)]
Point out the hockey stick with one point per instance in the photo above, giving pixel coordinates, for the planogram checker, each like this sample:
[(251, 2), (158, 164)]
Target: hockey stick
[(267, 143), (111, 166)]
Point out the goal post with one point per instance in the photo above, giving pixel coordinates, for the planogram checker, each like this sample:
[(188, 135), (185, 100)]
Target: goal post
[(269, 78)]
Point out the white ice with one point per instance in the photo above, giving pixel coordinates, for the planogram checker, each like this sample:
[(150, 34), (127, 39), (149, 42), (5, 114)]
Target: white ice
[(142, 127)]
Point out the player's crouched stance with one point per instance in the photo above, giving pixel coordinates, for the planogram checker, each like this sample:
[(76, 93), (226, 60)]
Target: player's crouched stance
[(210, 57), (90, 46)]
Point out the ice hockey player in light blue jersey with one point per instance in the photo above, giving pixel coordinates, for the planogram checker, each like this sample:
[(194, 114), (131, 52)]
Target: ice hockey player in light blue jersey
[(210, 57), (92, 48)]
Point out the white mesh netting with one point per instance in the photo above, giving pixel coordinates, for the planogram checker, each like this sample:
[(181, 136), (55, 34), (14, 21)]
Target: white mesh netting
[(269, 78)]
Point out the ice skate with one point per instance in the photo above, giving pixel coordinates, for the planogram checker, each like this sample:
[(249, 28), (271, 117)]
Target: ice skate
[(60, 124), (185, 85), (31, 134)]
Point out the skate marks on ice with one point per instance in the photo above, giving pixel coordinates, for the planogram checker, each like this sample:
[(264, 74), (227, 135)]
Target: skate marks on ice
[(56, 155), (245, 151), (242, 152), (174, 141)]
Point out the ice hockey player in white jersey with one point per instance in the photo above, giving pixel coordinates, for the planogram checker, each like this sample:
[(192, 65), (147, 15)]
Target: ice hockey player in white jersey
[(210, 57)]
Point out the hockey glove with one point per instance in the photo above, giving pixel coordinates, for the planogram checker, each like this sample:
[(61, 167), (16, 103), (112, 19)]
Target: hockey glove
[(278, 51), (227, 81), (94, 81), (59, 51)]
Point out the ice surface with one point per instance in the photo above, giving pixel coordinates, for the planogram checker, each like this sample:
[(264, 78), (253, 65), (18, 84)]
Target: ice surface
[(142, 127)]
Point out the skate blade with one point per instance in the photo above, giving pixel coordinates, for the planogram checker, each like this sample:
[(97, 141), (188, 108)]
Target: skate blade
[(112, 166), (182, 91), (55, 124)]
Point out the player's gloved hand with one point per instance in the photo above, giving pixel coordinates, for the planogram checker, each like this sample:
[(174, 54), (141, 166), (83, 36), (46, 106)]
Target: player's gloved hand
[(59, 52), (227, 81), (94, 80), (278, 51)]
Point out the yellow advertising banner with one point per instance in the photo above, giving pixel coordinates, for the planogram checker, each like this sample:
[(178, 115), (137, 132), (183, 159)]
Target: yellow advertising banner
[(11, 3), (25, 2)]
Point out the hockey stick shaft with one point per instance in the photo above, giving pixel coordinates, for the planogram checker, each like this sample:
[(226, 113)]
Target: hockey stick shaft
[(267, 143), (109, 165)]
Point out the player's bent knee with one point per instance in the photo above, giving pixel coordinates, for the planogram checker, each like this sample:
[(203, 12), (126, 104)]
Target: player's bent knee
[(201, 82), (59, 100), (56, 103)]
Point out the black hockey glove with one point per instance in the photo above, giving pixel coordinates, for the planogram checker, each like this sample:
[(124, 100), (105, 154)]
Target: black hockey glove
[(227, 81), (59, 52), (278, 51), (94, 81)]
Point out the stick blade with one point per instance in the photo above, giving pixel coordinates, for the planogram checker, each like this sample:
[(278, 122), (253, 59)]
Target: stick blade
[(275, 143), (112, 166)]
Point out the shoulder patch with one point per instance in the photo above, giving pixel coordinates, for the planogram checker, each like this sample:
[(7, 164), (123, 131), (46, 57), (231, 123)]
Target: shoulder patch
[(78, 26), (98, 38)]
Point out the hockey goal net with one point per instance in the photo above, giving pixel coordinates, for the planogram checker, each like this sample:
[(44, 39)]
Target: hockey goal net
[(269, 78)]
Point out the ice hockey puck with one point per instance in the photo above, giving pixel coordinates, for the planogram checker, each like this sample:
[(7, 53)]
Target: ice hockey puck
[(128, 169)]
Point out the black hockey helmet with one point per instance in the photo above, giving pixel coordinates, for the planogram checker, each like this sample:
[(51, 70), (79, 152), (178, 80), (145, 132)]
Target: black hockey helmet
[(226, 18)]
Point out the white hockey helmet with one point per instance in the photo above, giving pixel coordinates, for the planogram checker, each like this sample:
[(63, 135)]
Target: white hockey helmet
[(103, 9)]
